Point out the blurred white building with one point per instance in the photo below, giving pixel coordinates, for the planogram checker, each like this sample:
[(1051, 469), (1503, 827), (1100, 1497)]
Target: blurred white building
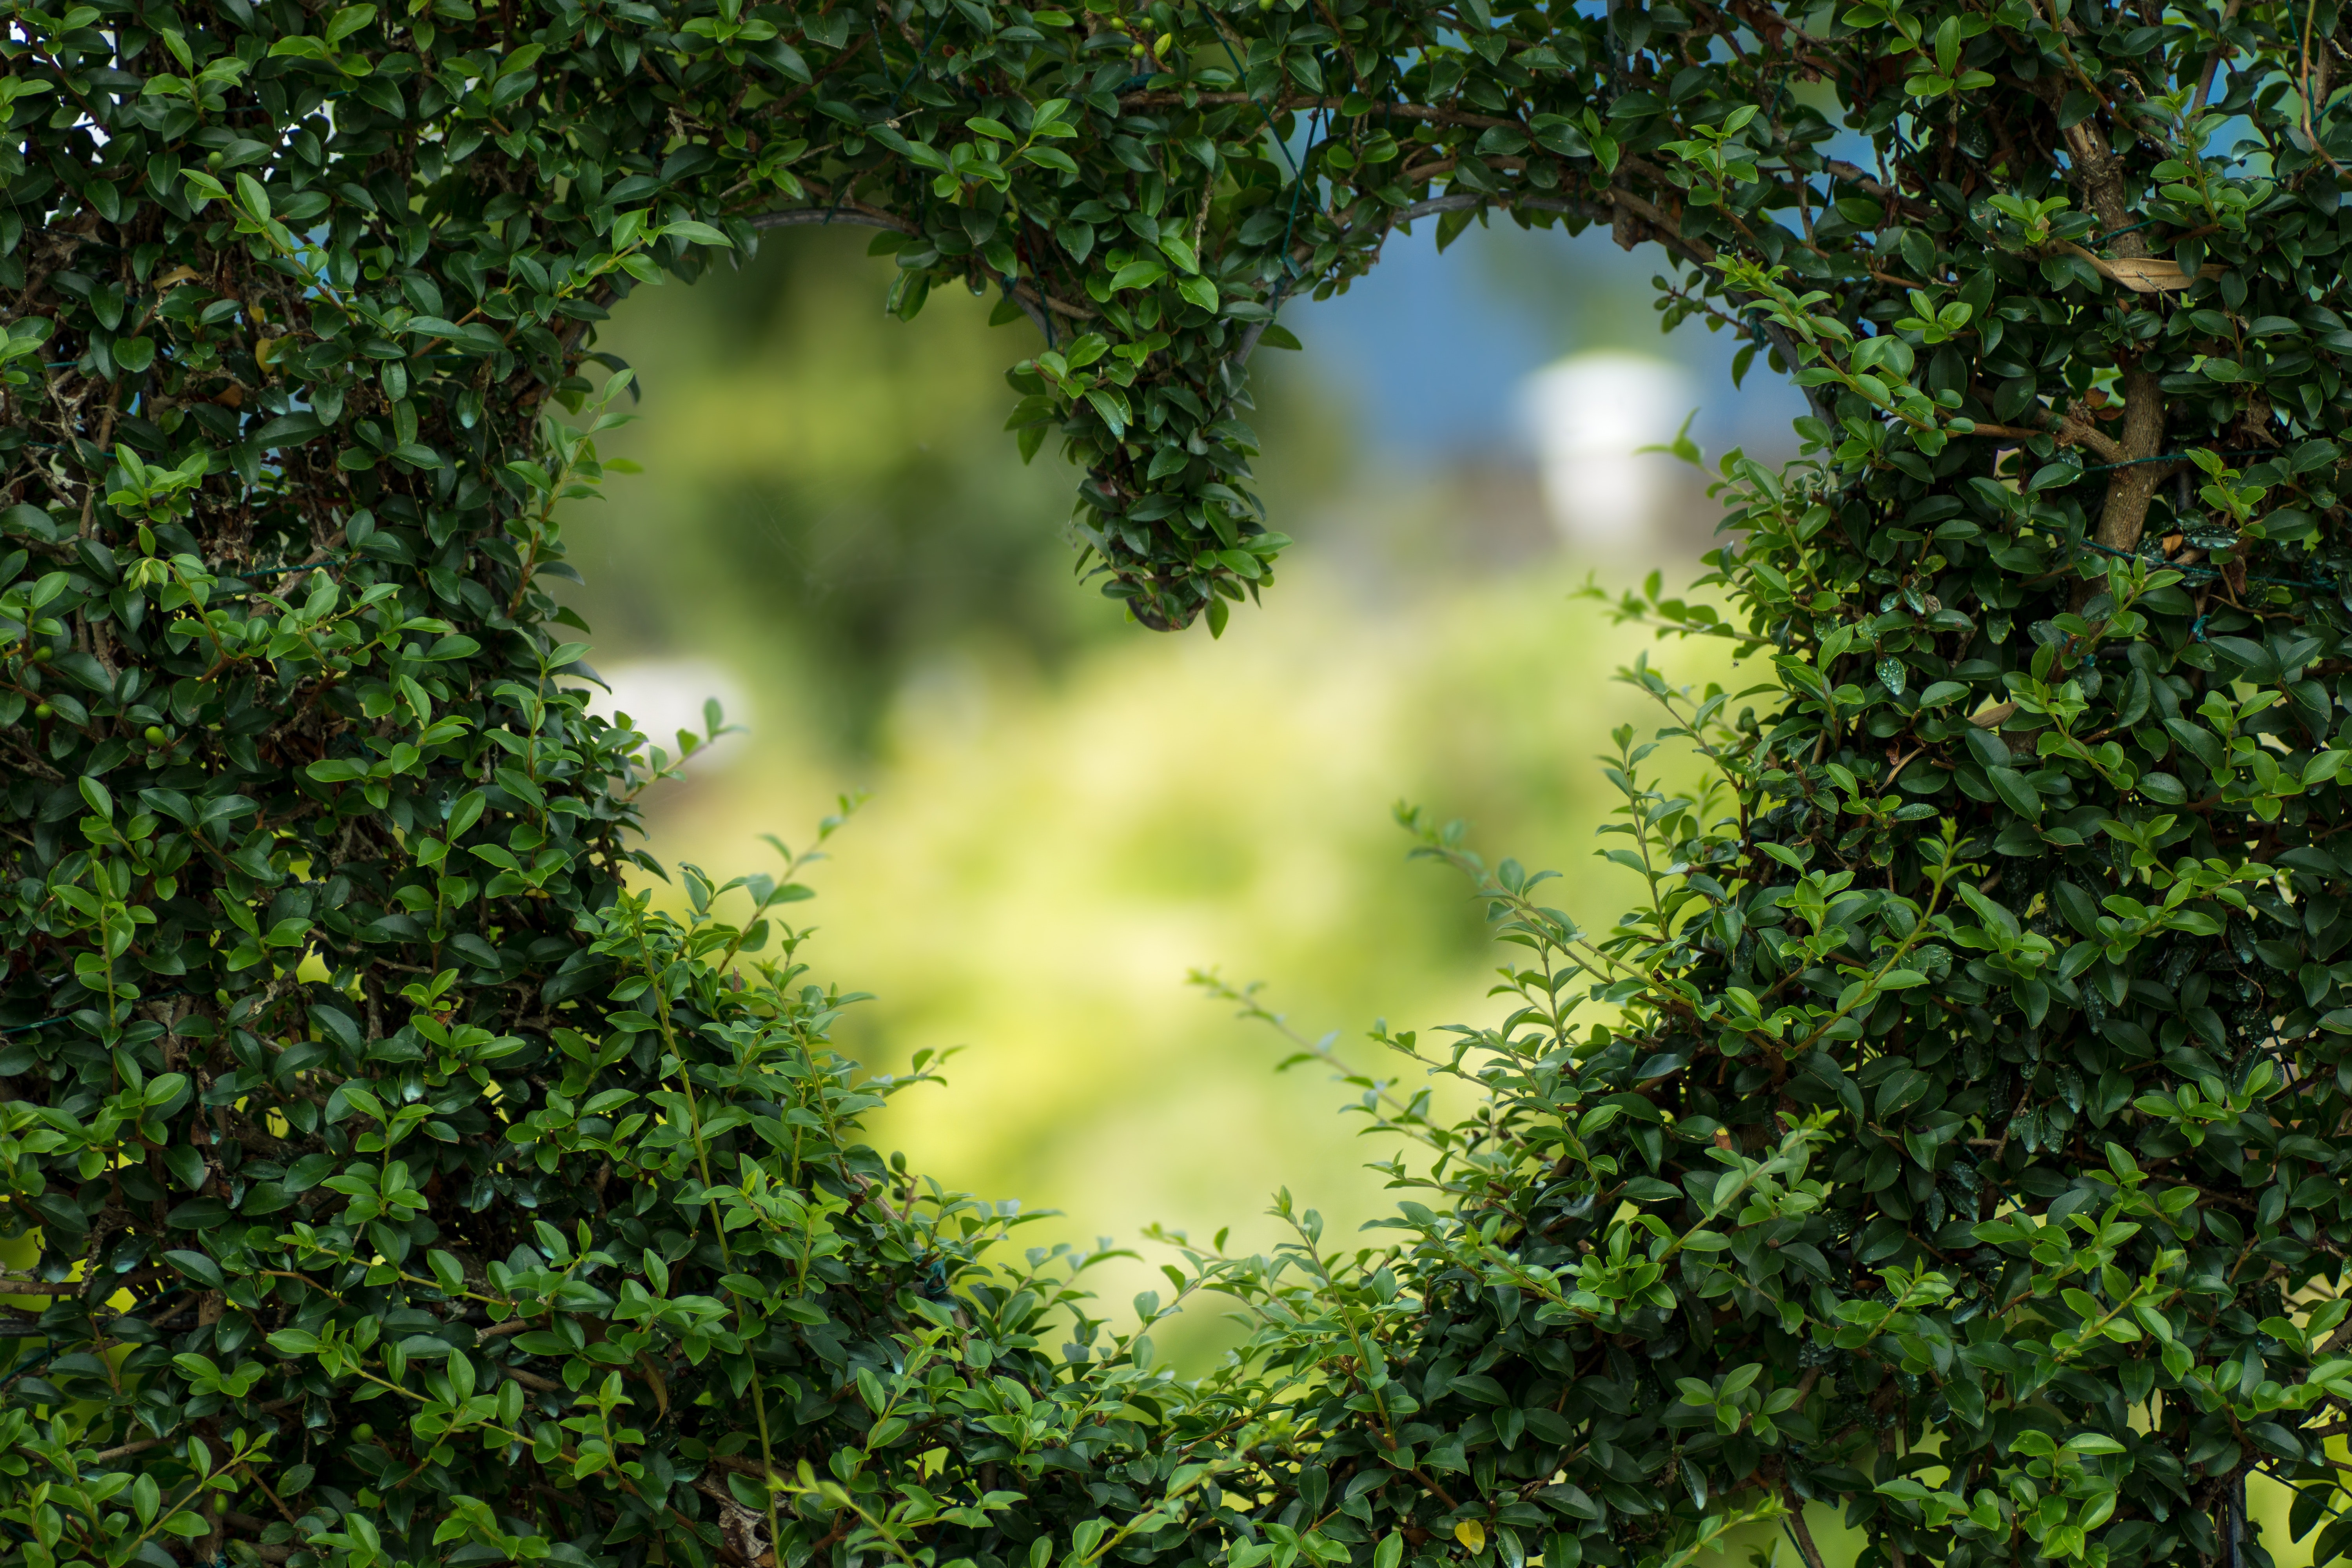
[(1587, 414), (662, 696)]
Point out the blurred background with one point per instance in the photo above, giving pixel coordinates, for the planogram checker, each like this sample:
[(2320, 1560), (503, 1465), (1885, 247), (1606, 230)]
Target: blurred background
[(833, 534)]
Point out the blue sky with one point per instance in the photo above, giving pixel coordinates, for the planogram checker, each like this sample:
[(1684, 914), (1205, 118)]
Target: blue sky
[(1431, 348)]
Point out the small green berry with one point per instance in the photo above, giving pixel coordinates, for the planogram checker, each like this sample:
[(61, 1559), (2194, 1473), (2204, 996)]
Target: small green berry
[(43, 710), (154, 733), (43, 655)]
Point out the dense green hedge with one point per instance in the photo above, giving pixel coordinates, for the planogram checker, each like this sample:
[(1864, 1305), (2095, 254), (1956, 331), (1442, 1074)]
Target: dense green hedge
[(1954, 1134)]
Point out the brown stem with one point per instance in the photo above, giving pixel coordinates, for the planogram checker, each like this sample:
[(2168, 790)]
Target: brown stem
[(2101, 174), (2135, 479), (1797, 1528), (2131, 488), (531, 1380), (2214, 60)]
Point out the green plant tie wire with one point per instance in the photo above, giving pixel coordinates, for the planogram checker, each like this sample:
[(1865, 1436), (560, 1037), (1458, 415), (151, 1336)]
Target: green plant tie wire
[(1240, 79), (1297, 175), (1299, 183), (842, 192), (2192, 570), (2136, 462), (2162, 457), (2166, 457), (916, 70), (2266, 1467), (28, 1028), (343, 560), (2204, 573), (68, 1017), (1045, 312), (40, 1355)]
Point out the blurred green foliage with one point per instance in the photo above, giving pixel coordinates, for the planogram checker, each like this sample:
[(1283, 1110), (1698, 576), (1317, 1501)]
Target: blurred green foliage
[(826, 493), (828, 497)]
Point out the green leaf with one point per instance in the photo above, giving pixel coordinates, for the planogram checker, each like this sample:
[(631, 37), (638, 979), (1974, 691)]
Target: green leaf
[(28, 522), (697, 233), (1138, 275), (1113, 412), (2016, 792), (349, 20), (198, 1266)]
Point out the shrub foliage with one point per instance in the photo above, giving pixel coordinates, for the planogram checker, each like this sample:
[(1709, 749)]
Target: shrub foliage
[(1953, 1136)]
